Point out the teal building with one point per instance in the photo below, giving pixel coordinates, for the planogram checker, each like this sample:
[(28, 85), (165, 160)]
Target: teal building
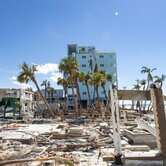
[(87, 58)]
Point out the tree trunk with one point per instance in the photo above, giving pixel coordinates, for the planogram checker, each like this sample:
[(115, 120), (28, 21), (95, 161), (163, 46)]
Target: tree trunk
[(78, 98), (45, 92), (87, 87), (74, 99), (48, 107), (105, 94), (98, 99), (65, 100)]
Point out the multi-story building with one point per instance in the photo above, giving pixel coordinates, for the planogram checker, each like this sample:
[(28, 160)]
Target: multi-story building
[(26, 98), (87, 58)]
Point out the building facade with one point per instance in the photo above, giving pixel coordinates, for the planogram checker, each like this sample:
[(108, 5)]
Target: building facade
[(87, 58), (57, 94), (26, 98)]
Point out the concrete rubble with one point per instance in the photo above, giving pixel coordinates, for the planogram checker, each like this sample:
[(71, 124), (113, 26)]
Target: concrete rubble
[(88, 140), (51, 142)]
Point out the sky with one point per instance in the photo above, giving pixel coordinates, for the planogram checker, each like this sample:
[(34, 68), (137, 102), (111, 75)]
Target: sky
[(38, 32)]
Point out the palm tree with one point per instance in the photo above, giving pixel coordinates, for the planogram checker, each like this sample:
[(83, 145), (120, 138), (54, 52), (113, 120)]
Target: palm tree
[(76, 75), (143, 83), (44, 83), (85, 77), (65, 83), (69, 66), (27, 74), (52, 90), (149, 80), (136, 87), (96, 81), (96, 78), (48, 90), (160, 80), (149, 74), (103, 81)]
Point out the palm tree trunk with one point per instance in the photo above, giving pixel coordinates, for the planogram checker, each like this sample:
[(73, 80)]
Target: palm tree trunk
[(94, 94), (65, 101), (78, 98), (106, 98), (105, 94), (48, 107), (87, 87), (97, 93), (45, 91), (75, 102)]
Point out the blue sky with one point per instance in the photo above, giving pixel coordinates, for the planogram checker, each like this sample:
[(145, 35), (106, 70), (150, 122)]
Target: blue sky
[(38, 31)]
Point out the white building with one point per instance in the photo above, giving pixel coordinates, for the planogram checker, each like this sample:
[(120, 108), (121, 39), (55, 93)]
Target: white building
[(25, 97)]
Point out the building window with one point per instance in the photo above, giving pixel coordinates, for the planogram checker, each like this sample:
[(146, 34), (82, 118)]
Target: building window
[(84, 93), (83, 83), (84, 56), (83, 65), (101, 56), (101, 65)]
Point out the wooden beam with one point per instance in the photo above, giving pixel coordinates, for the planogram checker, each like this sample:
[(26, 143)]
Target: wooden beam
[(133, 95)]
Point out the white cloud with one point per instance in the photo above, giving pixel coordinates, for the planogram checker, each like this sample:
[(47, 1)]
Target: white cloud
[(54, 76), (51, 70), (22, 85), (116, 13), (47, 68), (13, 78)]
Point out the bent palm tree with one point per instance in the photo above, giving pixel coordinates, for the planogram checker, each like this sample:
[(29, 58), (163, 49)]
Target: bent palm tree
[(27, 74)]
